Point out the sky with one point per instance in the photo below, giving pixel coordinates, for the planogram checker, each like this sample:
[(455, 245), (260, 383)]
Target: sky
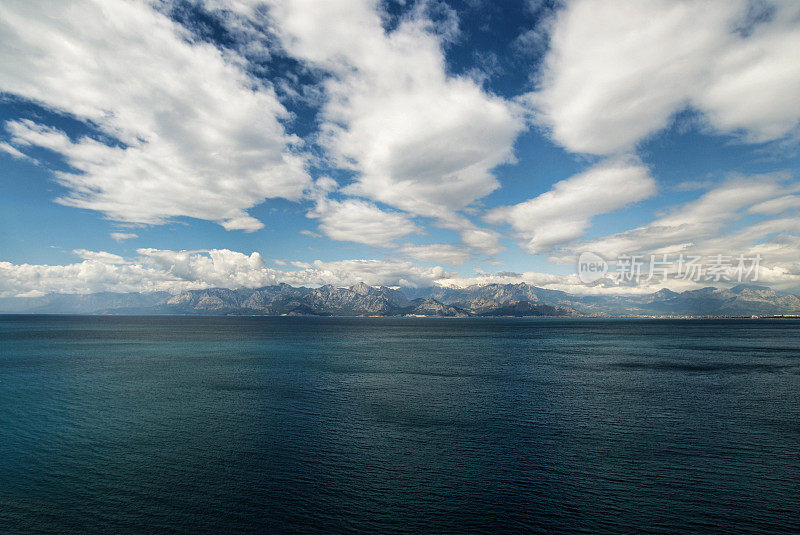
[(174, 145)]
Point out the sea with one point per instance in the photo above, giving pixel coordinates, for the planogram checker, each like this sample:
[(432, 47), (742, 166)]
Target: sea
[(166, 424)]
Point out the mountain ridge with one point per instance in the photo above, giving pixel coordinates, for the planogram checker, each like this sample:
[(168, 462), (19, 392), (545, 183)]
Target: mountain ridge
[(363, 300)]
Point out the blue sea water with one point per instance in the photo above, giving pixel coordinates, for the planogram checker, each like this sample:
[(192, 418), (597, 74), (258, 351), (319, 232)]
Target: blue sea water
[(322, 425)]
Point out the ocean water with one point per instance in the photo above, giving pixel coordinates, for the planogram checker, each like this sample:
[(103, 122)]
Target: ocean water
[(321, 425)]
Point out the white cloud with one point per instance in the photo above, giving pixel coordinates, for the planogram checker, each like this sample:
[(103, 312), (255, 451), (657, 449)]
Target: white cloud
[(567, 283), (690, 227), (617, 71), (757, 215), (372, 272), (564, 213), (174, 271), (198, 136), (193, 134), (165, 270), (85, 277), (420, 140), (14, 152), (436, 252), (776, 206), (361, 221), (122, 236), (779, 277), (99, 256), (483, 240)]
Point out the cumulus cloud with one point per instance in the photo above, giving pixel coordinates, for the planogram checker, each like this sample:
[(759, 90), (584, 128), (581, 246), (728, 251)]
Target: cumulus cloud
[(99, 256), (617, 71), (166, 270), (480, 239), (564, 213), (420, 140), (122, 236), (194, 134), (361, 221)]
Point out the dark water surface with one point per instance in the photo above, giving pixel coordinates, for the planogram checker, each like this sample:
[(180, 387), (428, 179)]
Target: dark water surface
[(229, 425)]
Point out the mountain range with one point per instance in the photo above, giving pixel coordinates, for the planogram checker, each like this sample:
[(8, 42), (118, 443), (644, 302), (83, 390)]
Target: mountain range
[(363, 300)]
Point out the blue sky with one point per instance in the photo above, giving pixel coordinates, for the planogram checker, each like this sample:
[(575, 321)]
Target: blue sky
[(176, 145)]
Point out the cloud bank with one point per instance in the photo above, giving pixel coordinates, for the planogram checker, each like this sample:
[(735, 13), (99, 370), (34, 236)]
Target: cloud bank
[(166, 270)]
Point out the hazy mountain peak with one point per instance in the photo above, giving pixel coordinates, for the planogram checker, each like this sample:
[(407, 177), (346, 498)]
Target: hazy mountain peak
[(361, 288)]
